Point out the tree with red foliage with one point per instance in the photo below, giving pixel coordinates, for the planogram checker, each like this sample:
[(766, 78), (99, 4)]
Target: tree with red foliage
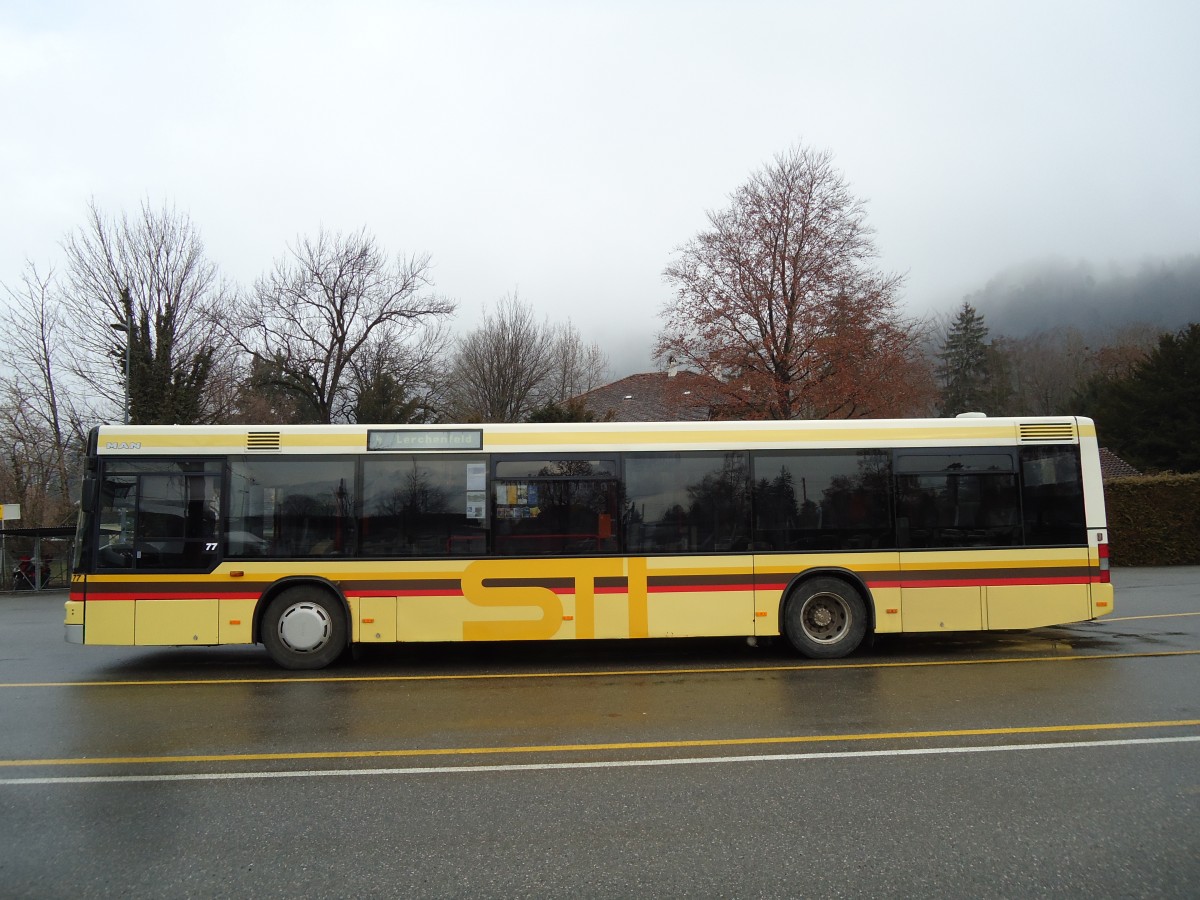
[(778, 302)]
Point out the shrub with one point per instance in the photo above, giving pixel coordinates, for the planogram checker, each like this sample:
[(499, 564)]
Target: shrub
[(1154, 520)]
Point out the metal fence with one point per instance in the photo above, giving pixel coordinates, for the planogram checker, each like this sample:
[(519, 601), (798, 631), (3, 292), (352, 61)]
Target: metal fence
[(35, 562)]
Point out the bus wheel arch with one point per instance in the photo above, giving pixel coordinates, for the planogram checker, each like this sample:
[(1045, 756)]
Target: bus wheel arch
[(304, 623), (826, 613)]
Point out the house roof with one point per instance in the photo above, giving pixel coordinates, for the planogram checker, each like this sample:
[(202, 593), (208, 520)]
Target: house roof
[(651, 397), (1112, 466)]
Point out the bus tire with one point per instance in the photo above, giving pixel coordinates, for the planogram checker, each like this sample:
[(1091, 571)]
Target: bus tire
[(825, 618), (304, 628)]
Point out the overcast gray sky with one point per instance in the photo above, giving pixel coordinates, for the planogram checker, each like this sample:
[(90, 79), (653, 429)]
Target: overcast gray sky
[(565, 149)]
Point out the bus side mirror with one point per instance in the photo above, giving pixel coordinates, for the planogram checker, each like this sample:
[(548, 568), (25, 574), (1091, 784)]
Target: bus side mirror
[(87, 495)]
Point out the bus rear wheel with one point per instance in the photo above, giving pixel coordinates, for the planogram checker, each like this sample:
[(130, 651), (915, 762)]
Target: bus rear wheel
[(304, 628), (825, 618)]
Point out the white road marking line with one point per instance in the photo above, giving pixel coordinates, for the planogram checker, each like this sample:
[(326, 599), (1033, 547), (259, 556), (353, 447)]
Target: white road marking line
[(609, 764)]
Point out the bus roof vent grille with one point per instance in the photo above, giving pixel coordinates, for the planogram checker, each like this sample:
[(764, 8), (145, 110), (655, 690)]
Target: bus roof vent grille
[(263, 440), (1042, 432)]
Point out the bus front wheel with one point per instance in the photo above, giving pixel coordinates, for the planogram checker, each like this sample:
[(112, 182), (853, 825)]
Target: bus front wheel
[(825, 618), (304, 628)]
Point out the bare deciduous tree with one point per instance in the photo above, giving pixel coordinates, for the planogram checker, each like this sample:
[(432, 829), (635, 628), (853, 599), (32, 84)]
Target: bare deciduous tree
[(150, 277), (393, 384), (499, 366), (576, 367), (777, 301), (1045, 372), (39, 430), (329, 299), (1047, 368), (510, 365)]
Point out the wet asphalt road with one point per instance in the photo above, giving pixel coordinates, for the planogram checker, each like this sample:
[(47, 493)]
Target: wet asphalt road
[(1063, 761)]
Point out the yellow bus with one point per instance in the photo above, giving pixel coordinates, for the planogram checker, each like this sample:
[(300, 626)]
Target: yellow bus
[(311, 538)]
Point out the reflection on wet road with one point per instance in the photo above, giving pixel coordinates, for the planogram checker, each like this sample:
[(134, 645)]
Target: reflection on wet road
[(1103, 716)]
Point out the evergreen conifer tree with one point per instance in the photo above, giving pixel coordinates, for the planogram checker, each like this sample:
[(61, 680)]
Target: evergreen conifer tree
[(1151, 416), (963, 364)]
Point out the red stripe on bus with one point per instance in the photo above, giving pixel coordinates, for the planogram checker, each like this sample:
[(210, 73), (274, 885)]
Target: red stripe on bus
[(142, 595), (978, 582), (696, 588), (406, 593)]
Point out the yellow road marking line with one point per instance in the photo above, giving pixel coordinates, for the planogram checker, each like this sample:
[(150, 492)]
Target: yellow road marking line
[(584, 748), (459, 769), (496, 676), (1155, 616)]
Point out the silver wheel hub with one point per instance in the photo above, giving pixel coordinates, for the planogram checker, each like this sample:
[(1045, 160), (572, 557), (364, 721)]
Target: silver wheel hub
[(825, 618), (305, 627)]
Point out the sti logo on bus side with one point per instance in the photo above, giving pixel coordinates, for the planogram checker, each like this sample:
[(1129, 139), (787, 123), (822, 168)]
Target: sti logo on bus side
[(123, 445), (505, 584)]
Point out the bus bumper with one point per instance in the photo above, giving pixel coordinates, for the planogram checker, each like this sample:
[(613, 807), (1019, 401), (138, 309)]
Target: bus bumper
[(73, 611)]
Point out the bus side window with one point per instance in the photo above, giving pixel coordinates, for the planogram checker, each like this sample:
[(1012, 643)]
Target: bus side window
[(687, 502), (420, 506), (1052, 496), (291, 507), (959, 498), (555, 507), (823, 500)]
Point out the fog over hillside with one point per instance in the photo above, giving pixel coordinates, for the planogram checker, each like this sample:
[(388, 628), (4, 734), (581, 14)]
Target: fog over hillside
[(1051, 294)]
